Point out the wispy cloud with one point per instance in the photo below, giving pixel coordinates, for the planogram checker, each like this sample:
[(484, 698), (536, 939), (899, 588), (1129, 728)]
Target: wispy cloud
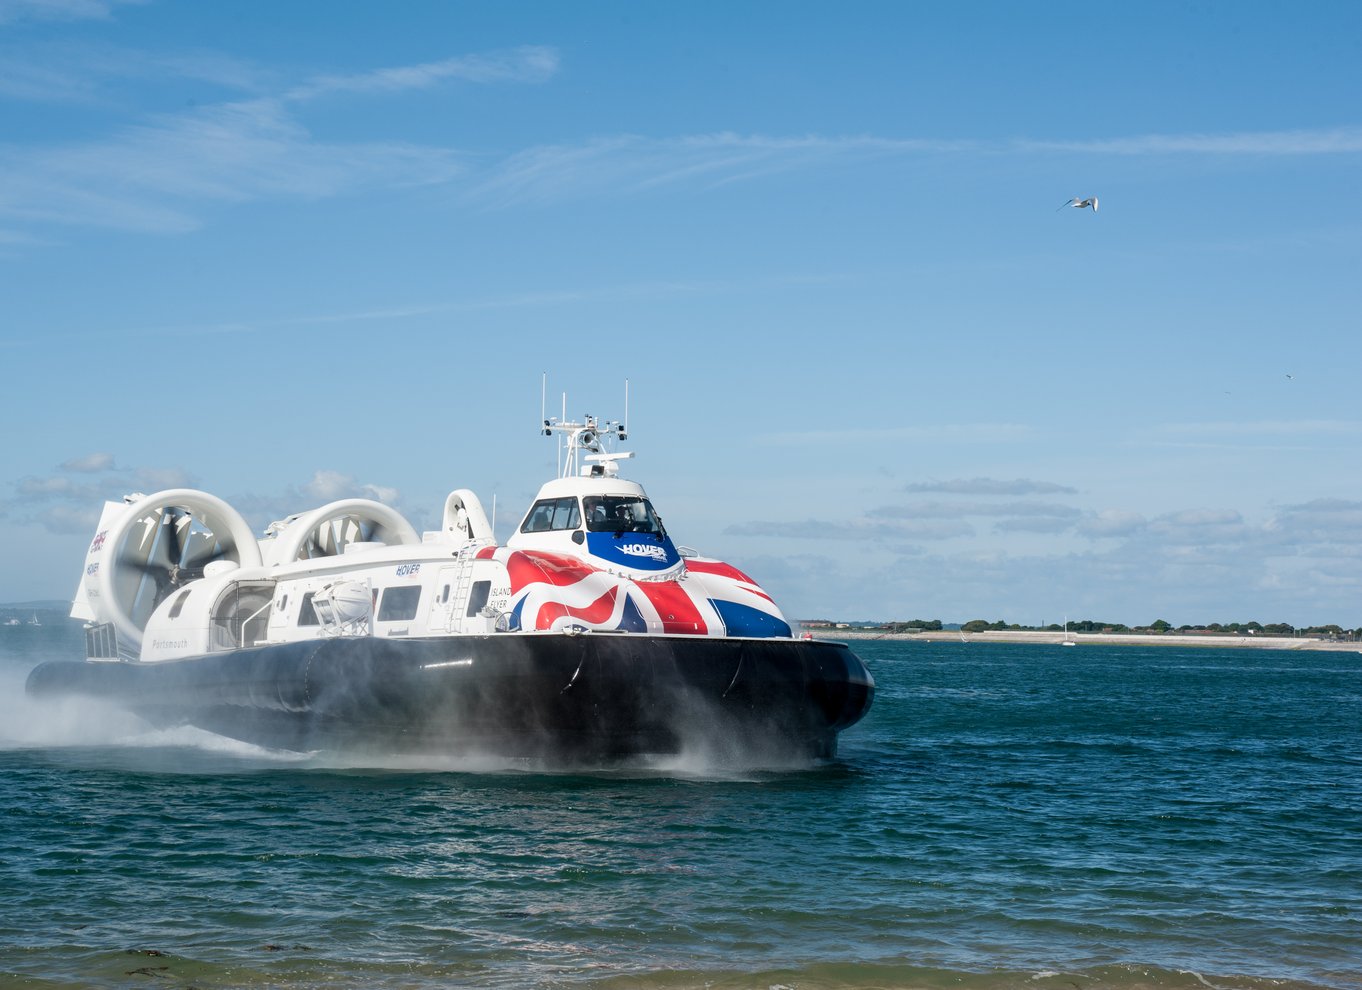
[(529, 64), (1300, 564), (991, 486), (157, 176), (1331, 141), (162, 173), (1258, 434), (1275, 428), (942, 433), (821, 529), (61, 504), (85, 73), (12, 11), (633, 164), (960, 510), (655, 290), (325, 485)]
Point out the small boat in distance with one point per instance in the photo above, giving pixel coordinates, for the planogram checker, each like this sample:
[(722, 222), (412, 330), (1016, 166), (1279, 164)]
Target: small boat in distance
[(1068, 640), (588, 635)]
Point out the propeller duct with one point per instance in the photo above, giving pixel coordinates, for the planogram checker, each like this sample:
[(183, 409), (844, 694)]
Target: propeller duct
[(162, 542)]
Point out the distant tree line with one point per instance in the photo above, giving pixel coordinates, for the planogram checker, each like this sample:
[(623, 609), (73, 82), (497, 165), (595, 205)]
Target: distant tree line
[(1156, 627), (915, 625)]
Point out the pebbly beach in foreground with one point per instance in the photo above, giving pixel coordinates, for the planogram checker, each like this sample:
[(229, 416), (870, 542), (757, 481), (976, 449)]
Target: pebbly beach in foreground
[(1096, 639)]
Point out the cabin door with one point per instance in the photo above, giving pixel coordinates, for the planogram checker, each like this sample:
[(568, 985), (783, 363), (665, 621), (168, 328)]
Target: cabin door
[(450, 588)]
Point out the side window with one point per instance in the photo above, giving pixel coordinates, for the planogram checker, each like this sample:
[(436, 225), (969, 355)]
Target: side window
[(307, 615), (399, 604), (477, 597), (565, 514), (553, 513), (540, 519)]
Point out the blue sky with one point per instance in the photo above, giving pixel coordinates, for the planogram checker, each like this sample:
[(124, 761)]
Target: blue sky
[(289, 252)]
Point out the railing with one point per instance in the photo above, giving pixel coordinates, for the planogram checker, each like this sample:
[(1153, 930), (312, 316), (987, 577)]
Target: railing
[(245, 624)]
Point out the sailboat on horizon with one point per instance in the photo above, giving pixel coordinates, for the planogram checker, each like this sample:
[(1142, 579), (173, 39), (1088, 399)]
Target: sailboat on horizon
[(1067, 641)]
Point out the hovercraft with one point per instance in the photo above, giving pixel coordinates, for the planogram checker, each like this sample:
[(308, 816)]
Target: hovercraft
[(588, 635)]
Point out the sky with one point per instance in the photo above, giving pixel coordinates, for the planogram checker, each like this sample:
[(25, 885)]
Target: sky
[(287, 253)]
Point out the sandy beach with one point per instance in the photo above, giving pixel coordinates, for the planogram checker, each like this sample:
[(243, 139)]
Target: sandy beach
[(1099, 639)]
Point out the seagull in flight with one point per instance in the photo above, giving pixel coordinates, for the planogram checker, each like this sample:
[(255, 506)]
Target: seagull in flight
[(1078, 203)]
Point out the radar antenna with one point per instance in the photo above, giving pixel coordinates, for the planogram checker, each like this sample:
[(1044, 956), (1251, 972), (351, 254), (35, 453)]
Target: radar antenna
[(581, 443)]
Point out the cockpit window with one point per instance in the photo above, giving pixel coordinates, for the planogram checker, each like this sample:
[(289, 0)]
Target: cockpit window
[(552, 513), (620, 514)]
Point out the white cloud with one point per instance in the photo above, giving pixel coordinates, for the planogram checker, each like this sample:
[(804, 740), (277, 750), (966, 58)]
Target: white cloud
[(1111, 523), (90, 463), (328, 486), (1323, 521)]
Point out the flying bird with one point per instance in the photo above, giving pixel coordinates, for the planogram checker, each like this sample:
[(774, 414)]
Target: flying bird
[(1079, 204)]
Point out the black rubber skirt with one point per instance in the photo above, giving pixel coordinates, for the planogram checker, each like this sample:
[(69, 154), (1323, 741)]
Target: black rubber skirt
[(543, 696)]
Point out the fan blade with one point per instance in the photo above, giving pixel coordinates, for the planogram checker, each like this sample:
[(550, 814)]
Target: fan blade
[(202, 549)]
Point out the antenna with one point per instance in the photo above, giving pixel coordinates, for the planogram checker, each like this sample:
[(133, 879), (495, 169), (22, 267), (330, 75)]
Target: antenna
[(585, 438)]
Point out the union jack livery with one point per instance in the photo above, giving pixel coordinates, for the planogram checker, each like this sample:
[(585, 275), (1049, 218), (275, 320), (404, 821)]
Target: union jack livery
[(588, 635)]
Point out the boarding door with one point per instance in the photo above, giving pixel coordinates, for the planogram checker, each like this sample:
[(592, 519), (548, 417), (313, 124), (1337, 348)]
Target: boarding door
[(450, 588)]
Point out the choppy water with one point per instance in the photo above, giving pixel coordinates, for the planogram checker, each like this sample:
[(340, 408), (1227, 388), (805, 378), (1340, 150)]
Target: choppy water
[(1007, 816)]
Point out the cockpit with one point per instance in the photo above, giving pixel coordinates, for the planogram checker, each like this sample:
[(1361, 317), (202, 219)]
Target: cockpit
[(603, 514), (620, 513)]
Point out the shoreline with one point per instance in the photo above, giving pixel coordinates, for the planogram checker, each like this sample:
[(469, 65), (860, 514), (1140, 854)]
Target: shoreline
[(1097, 639)]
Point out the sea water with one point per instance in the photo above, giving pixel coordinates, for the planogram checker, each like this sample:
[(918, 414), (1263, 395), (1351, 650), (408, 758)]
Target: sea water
[(1006, 816)]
